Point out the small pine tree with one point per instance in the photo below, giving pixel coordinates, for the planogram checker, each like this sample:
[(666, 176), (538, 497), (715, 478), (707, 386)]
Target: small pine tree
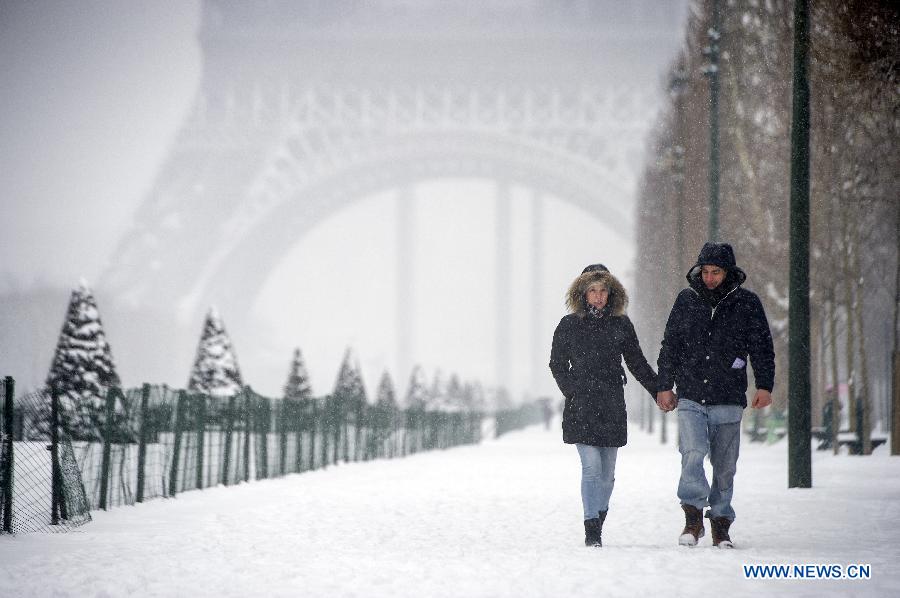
[(502, 399), (455, 400), (386, 395), (436, 392), (385, 417), (350, 400), (82, 371), (472, 396), (349, 388), (297, 386), (215, 372), (417, 393)]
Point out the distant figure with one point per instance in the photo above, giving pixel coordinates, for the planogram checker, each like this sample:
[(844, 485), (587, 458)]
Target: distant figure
[(586, 360), (547, 412), (827, 418), (714, 326)]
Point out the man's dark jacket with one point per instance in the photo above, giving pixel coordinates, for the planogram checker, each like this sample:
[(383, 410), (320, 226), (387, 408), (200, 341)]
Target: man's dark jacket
[(710, 334)]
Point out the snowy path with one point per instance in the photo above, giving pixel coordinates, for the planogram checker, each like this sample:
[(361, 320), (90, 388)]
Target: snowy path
[(499, 519)]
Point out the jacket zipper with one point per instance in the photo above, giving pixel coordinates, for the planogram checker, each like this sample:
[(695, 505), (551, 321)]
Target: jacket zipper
[(713, 314)]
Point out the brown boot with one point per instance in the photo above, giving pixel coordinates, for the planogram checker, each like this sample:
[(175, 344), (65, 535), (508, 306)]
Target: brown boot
[(693, 526), (719, 526)]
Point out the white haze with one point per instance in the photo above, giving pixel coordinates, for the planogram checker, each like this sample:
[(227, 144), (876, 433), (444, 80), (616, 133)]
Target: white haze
[(93, 93)]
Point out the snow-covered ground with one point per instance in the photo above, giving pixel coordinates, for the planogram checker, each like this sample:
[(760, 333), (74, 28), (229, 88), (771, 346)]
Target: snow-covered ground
[(499, 519)]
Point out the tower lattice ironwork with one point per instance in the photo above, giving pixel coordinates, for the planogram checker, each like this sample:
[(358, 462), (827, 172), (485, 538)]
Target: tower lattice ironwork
[(306, 106)]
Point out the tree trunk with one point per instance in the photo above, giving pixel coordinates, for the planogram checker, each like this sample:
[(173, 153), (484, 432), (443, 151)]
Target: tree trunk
[(863, 401), (848, 305), (835, 375), (895, 386)]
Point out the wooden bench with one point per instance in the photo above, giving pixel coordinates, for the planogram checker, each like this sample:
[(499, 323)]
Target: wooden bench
[(854, 444), (763, 434)]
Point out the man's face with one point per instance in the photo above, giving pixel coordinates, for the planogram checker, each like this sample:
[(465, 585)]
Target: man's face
[(712, 276)]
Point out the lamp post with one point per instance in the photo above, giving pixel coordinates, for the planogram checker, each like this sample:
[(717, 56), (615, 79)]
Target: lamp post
[(711, 70), (677, 83), (799, 457)]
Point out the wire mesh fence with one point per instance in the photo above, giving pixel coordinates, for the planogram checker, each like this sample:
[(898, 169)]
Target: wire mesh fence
[(40, 480), (155, 441)]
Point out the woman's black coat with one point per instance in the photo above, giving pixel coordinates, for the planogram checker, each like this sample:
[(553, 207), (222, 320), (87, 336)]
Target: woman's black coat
[(586, 361)]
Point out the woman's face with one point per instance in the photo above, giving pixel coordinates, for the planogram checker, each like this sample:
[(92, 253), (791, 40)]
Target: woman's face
[(597, 296)]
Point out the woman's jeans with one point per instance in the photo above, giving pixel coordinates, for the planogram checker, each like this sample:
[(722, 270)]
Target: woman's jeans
[(714, 429), (598, 475)]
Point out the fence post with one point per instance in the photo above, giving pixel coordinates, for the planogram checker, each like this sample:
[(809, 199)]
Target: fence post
[(229, 429), (297, 423), (403, 416), (282, 440), (324, 418), (248, 422), (55, 492), (7, 452), (340, 424), (357, 429), (313, 425), (107, 447), (201, 436), (142, 443), (18, 425), (263, 418), (176, 445)]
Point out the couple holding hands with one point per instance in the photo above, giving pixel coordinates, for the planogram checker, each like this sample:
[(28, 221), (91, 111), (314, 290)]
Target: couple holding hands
[(714, 328)]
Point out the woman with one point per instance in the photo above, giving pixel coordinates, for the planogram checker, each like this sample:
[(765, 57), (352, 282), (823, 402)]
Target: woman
[(586, 360)]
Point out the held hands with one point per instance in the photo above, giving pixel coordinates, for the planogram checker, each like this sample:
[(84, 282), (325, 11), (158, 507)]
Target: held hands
[(667, 400), (762, 399)]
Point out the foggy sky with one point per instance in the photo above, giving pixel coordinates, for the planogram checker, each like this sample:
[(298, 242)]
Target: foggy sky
[(93, 93)]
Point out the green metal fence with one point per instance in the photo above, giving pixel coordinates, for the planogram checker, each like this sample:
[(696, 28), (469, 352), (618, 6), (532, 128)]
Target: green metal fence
[(156, 441)]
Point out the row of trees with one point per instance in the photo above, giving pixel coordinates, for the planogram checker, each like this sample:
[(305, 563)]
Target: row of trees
[(855, 171), (83, 371)]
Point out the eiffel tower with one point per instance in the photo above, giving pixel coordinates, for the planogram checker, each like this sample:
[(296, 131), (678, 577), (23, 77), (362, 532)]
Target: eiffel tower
[(306, 106)]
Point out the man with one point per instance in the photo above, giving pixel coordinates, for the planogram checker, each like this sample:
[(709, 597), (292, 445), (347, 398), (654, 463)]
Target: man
[(714, 326)]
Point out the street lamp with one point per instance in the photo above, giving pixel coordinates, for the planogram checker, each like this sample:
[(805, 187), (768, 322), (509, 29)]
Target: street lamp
[(711, 70)]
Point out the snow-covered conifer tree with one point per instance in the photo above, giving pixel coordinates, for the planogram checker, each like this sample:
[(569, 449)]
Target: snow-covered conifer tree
[(454, 401), (82, 371), (349, 387), (385, 417), (215, 372), (349, 397), (436, 395), (417, 393), (386, 395), (297, 386), (472, 396)]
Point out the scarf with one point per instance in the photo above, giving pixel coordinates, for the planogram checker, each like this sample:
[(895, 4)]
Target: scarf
[(594, 313)]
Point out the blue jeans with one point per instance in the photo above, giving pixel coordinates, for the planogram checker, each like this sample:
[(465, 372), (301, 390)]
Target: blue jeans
[(714, 429), (598, 476)]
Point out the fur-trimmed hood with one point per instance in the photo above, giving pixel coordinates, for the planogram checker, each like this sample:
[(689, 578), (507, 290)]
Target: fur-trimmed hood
[(575, 297)]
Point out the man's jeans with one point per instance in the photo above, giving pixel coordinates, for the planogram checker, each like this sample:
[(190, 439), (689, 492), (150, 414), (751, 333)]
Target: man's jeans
[(716, 430), (598, 476)]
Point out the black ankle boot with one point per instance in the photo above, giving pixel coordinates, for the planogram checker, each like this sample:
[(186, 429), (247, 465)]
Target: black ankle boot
[(593, 530)]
